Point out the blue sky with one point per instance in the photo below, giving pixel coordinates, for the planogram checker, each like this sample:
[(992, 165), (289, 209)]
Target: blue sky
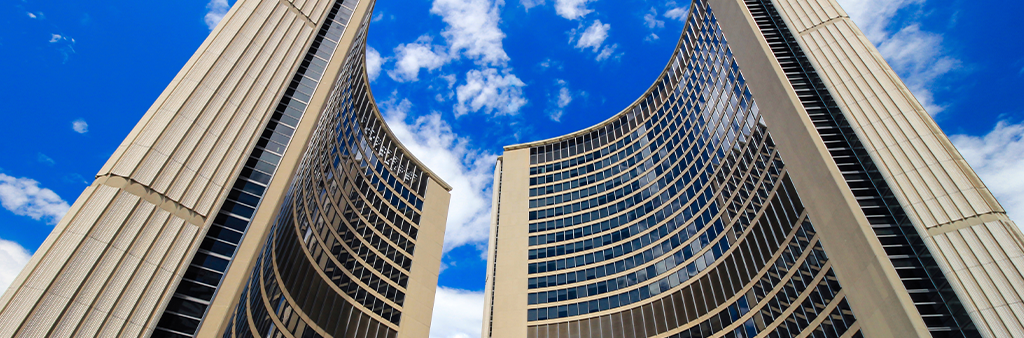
[(457, 80)]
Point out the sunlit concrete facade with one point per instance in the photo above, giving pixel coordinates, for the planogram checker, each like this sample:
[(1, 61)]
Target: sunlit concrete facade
[(777, 180), (264, 173)]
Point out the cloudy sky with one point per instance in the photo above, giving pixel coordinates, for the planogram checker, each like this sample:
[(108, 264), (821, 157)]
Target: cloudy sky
[(457, 80)]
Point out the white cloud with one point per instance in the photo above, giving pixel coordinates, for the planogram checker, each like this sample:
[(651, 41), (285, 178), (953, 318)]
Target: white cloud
[(457, 313), (606, 52), (13, 258), (470, 172), (678, 13), (472, 32), (24, 197), (594, 36), (559, 102), (564, 97), (527, 4), (42, 158), (80, 126), (572, 9), (218, 9), (998, 158), (473, 29), (413, 56), (500, 93), (651, 19), (916, 55), (31, 15), (63, 44), (373, 63)]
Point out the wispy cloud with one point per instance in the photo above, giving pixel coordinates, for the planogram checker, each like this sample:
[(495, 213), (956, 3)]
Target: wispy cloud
[(998, 158), (549, 63), (80, 126), (469, 171), (527, 4), (75, 179), (558, 102), (677, 13), (62, 43), (13, 258), (42, 158), (572, 9), (457, 313), (217, 9), (916, 55), (651, 19), (24, 197), (653, 24)]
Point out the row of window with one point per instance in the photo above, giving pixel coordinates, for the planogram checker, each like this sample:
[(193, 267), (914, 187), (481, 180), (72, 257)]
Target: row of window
[(633, 153), (646, 160), (337, 261), (352, 129), (675, 223), (373, 211), (716, 238), (347, 190), (685, 196), (350, 148), (593, 140), (327, 207), (380, 148), (755, 201), (629, 152), (753, 250), (769, 233)]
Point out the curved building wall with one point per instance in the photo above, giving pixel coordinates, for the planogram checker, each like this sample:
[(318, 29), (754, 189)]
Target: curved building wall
[(733, 199), (677, 217), (339, 259)]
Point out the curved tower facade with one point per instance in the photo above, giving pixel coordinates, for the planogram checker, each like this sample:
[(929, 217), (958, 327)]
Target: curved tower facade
[(339, 260), (777, 180), (262, 195)]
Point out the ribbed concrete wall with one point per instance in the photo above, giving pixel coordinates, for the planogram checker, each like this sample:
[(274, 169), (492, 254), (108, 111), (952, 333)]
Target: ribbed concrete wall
[(112, 262), (979, 248)]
